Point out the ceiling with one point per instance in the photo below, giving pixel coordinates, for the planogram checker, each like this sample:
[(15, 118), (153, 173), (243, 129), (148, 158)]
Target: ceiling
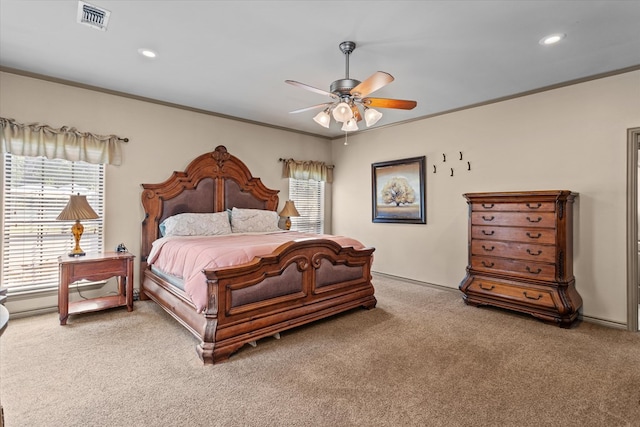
[(232, 57)]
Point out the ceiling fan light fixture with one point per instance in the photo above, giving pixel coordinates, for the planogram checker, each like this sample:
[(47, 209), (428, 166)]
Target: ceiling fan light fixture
[(371, 116), (342, 112), (323, 118), (349, 96), (350, 125)]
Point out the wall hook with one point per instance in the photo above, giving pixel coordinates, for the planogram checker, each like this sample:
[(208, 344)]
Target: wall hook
[(434, 168), (468, 166), (444, 157), (460, 155), (451, 171)]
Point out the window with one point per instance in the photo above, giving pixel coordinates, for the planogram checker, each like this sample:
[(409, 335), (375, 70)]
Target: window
[(35, 191), (308, 196)]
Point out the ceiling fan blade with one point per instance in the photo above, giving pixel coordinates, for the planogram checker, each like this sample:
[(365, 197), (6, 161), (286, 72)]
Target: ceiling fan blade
[(313, 107), (356, 113), (311, 88), (401, 104), (374, 82)]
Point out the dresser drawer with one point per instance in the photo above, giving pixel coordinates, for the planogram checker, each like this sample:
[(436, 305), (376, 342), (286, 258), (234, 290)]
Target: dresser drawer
[(515, 234), (512, 292), (533, 270), (514, 219), (514, 207), (523, 251)]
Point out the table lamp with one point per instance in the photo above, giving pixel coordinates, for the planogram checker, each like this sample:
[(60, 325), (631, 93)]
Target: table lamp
[(288, 211), (78, 208)]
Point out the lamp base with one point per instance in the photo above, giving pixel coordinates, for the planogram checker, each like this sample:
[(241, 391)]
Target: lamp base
[(77, 231)]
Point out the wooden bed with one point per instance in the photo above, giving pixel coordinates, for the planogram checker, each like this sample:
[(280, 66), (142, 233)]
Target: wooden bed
[(322, 277)]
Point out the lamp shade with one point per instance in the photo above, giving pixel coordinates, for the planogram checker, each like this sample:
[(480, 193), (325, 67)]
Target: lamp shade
[(350, 125), (371, 116), (289, 209), (77, 208), (322, 118), (342, 112)]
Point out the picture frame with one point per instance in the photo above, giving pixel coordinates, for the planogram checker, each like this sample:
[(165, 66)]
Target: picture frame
[(398, 191)]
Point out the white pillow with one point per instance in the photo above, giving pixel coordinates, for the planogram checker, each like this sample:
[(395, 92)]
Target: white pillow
[(196, 224), (253, 220)]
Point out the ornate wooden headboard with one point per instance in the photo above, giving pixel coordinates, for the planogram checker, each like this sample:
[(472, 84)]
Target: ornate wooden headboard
[(213, 182)]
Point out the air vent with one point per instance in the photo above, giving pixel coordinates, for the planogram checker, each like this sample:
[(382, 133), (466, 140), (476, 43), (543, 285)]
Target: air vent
[(93, 16)]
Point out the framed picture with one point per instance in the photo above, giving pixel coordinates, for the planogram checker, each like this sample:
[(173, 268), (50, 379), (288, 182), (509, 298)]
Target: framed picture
[(398, 191)]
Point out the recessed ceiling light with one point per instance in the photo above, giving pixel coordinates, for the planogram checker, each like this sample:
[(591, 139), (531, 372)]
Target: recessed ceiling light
[(552, 39), (147, 53)]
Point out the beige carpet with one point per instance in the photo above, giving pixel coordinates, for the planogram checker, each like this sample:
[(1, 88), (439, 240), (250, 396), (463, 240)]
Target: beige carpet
[(421, 358)]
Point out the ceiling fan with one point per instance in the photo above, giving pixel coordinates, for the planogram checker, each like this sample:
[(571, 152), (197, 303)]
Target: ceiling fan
[(349, 95)]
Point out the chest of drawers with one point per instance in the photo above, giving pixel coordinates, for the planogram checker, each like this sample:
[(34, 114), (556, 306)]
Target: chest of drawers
[(521, 254)]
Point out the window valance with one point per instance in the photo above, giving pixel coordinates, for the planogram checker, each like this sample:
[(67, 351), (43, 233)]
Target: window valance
[(307, 169), (35, 140)]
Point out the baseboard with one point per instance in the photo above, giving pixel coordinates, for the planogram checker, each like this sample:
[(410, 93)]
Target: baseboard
[(416, 282), (589, 319), (603, 322), (35, 312)]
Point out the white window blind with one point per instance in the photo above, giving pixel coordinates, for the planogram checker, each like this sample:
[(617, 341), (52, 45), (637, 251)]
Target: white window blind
[(35, 191), (308, 196)]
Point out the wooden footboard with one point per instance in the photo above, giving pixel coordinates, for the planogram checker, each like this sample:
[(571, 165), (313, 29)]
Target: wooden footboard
[(300, 282)]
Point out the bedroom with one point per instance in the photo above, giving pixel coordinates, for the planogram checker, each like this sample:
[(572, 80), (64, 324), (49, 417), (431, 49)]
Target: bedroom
[(537, 141), (572, 137)]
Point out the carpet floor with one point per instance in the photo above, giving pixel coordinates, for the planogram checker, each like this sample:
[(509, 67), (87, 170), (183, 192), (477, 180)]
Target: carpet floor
[(420, 358)]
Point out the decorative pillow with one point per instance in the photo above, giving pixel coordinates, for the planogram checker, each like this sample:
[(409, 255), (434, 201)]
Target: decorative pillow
[(196, 224), (253, 220)]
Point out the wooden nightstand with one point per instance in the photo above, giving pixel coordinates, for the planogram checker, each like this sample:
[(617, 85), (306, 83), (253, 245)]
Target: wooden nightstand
[(95, 267)]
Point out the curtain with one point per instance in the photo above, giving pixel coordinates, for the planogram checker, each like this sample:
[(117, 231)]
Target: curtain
[(307, 169), (35, 140)]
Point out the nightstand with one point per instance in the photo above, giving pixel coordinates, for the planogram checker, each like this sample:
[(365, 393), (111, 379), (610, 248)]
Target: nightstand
[(101, 266)]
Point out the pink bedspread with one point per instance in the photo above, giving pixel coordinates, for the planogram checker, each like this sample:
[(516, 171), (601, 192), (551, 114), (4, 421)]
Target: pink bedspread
[(187, 256)]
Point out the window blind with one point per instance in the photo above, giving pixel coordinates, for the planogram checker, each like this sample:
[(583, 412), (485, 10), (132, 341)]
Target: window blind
[(35, 191), (308, 196)]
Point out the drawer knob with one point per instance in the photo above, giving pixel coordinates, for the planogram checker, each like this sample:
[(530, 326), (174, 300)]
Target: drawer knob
[(538, 271), (531, 253), (532, 297), (534, 237), (491, 218), (488, 249), (489, 264), (488, 205), (488, 288), (537, 206), (489, 233), (534, 220)]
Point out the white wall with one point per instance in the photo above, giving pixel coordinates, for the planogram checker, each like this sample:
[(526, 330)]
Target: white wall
[(572, 138), (162, 139)]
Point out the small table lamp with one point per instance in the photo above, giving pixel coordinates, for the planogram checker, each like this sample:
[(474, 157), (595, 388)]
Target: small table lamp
[(78, 208), (288, 211)]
